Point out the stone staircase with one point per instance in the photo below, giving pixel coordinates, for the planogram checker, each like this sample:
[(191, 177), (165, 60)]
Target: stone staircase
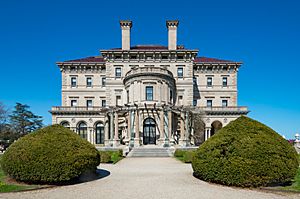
[(149, 152)]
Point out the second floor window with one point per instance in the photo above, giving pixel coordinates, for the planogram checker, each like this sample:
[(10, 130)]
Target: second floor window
[(118, 72), (73, 103), (88, 82), (73, 81), (89, 103), (209, 103), (224, 81), (103, 103), (209, 81), (149, 93), (180, 72), (103, 81), (194, 102), (224, 103)]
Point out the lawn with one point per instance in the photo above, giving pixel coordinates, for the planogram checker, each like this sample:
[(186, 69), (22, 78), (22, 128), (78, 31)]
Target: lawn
[(296, 182), (9, 187)]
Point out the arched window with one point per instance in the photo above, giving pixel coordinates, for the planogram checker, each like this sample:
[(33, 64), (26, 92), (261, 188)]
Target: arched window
[(82, 130), (215, 127), (99, 129), (65, 124), (149, 132)]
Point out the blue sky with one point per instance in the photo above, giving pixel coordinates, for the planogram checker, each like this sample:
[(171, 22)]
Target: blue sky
[(264, 35)]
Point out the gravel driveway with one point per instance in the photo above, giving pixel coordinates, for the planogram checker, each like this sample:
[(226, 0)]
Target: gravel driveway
[(144, 178)]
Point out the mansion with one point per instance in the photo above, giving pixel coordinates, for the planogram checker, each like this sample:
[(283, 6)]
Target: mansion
[(147, 94)]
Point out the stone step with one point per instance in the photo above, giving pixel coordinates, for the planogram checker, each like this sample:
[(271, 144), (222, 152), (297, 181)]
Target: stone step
[(149, 152)]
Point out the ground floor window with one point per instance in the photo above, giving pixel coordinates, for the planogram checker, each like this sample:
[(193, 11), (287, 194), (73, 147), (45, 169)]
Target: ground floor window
[(99, 133), (82, 130)]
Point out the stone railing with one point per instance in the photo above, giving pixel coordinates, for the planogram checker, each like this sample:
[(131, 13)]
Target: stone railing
[(148, 70), (77, 109), (225, 110)]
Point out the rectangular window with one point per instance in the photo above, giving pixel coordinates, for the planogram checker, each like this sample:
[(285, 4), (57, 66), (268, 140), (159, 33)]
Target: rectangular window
[(194, 102), (103, 81), (88, 82), (180, 72), (89, 103), (73, 103), (118, 72), (209, 81), (103, 103), (209, 103), (127, 96), (73, 81), (224, 103), (224, 80), (149, 93), (118, 100)]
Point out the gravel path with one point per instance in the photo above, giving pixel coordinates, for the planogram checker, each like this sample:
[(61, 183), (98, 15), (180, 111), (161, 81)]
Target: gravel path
[(144, 178)]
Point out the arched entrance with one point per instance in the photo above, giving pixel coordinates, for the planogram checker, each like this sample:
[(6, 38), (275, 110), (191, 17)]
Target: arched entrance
[(99, 130), (149, 131), (215, 126), (65, 124), (82, 130)]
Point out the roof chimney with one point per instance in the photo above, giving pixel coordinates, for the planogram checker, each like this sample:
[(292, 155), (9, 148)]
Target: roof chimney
[(172, 34), (126, 27)]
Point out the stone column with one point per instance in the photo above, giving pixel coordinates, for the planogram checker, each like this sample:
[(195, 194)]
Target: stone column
[(131, 118), (182, 129), (161, 127), (137, 129), (116, 139), (187, 129), (170, 124), (207, 133), (106, 131), (111, 127)]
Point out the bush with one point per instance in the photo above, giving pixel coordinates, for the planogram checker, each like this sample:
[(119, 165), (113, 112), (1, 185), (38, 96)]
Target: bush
[(111, 156), (50, 155), (246, 153), (184, 155)]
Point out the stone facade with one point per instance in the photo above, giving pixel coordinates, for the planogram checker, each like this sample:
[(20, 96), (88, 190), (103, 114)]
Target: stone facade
[(139, 95)]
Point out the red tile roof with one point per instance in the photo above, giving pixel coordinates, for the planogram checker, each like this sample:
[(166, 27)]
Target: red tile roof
[(211, 60), (88, 59)]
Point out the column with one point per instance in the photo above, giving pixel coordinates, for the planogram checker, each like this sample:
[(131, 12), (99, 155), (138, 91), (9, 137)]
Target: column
[(137, 129), (131, 116), (161, 127), (106, 131), (181, 129), (111, 126), (170, 124), (116, 134), (187, 129)]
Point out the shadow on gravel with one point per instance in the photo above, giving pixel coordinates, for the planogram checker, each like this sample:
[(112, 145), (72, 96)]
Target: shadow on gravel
[(91, 176)]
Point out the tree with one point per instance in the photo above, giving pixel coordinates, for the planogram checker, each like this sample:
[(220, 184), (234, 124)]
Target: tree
[(3, 114), (24, 121)]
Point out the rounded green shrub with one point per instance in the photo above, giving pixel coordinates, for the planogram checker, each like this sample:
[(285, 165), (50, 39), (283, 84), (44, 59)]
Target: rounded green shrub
[(53, 154), (246, 153)]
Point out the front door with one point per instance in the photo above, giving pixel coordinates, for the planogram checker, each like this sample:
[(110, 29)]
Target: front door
[(149, 133)]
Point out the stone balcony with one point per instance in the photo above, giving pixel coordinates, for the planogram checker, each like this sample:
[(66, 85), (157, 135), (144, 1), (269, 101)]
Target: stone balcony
[(229, 110), (56, 110)]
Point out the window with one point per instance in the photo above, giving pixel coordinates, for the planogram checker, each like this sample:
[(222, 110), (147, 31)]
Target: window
[(209, 103), (224, 103), (103, 103), (82, 130), (171, 96), (195, 81), (103, 81), (194, 102), (118, 72), (149, 93), (89, 103), (127, 96), (224, 82), (209, 81), (73, 81), (180, 99), (118, 100), (88, 82), (180, 72), (73, 102)]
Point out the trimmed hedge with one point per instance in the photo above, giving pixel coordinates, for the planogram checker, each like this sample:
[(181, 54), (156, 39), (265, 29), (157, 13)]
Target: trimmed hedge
[(51, 155), (111, 156), (185, 156), (246, 153)]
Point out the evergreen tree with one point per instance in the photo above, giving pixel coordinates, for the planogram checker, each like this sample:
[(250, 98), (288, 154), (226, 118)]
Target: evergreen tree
[(24, 121)]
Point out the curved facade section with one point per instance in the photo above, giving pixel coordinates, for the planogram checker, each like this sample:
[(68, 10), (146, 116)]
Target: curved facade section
[(150, 84)]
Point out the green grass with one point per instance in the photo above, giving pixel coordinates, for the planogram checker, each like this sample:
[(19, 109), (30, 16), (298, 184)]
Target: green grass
[(9, 187), (185, 156), (295, 186), (111, 156)]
